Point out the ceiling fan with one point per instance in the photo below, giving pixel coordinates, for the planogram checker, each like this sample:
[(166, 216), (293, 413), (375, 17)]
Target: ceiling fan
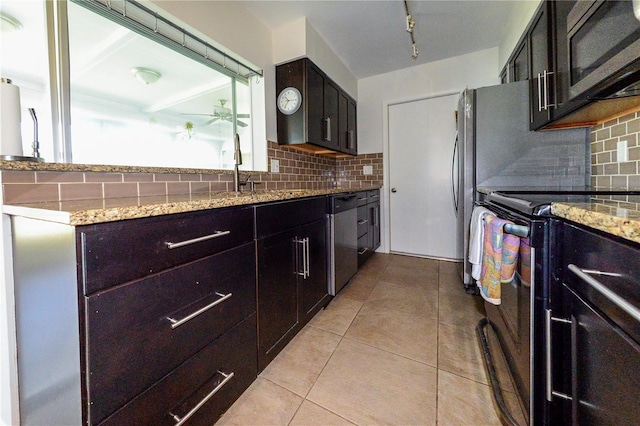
[(224, 114)]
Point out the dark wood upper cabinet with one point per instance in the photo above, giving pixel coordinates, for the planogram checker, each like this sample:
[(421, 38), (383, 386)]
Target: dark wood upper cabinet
[(320, 125), (578, 54), (541, 65)]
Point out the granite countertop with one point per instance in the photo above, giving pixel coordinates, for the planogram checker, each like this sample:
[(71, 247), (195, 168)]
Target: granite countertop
[(618, 215), (88, 212), (619, 218)]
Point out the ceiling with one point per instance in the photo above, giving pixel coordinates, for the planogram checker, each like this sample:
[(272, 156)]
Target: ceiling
[(370, 37)]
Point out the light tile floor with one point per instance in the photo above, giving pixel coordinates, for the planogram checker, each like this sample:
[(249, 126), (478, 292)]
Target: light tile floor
[(397, 346)]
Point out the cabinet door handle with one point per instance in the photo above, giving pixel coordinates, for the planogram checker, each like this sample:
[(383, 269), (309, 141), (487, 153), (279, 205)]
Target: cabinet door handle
[(546, 90), (303, 274), (548, 319), (327, 129), (539, 92), (351, 139), (308, 270), (217, 234), (180, 420), (177, 323), (583, 274)]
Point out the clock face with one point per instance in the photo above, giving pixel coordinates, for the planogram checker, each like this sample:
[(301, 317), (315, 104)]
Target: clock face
[(289, 100)]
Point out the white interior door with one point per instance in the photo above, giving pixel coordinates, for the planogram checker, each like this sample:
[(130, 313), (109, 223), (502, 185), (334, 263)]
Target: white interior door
[(421, 211)]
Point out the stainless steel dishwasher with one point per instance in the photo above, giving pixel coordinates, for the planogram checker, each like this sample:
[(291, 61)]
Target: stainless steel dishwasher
[(342, 239)]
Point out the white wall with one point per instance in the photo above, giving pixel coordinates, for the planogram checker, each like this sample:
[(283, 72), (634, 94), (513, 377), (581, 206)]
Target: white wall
[(299, 39), (454, 74)]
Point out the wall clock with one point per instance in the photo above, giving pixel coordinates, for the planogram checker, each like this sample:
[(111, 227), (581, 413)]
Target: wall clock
[(289, 100)]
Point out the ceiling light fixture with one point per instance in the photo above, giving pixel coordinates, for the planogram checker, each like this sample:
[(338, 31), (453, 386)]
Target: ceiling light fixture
[(8, 23), (145, 75), (410, 25)]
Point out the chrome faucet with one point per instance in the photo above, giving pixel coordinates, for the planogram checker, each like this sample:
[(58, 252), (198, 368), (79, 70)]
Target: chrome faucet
[(237, 156)]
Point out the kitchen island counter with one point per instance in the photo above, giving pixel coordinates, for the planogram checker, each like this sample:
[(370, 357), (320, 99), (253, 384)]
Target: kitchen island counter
[(88, 212)]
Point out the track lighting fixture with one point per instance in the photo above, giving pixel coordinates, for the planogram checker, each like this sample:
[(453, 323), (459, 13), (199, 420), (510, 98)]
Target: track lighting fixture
[(410, 25)]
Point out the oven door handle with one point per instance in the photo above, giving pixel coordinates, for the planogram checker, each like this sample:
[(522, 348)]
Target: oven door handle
[(517, 230)]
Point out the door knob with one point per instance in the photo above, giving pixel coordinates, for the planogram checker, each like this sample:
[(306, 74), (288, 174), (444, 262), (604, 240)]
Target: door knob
[(394, 190)]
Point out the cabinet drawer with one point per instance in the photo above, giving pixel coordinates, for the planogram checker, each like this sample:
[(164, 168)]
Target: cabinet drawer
[(138, 332), (362, 198), (363, 244), (278, 217), (113, 253), (179, 392), (373, 196), (363, 221)]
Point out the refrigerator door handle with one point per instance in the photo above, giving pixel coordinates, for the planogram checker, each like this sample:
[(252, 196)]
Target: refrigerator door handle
[(455, 181)]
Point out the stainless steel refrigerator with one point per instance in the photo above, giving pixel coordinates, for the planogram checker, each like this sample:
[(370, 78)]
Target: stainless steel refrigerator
[(495, 149)]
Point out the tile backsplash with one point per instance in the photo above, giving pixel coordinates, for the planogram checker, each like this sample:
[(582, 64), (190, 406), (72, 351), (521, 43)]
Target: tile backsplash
[(297, 170), (606, 170)]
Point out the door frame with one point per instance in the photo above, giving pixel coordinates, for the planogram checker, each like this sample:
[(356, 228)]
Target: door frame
[(385, 220)]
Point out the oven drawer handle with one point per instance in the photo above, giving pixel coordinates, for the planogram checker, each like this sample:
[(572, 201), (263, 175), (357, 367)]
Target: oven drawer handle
[(181, 420), (612, 296), (177, 323), (216, 234)]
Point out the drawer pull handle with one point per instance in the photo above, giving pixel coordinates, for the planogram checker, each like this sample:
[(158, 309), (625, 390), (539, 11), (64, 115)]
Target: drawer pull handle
[(180, 421), (362, 222), (217, 234), (364, 250), (612, 296), (177, 323)]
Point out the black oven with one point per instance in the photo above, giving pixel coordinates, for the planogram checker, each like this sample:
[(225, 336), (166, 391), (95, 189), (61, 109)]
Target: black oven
[(519, 320), (544, 347), (513, 322)]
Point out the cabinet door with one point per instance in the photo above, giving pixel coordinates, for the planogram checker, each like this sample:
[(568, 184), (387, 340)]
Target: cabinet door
[(541, 81), (314, 104), (602, 356), (520, 66), (374, 225), (277, 294), (343, 117), (313, 288), (331, 120), (352, 128)]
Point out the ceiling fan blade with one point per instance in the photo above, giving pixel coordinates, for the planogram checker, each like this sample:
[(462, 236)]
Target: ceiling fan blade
[(241, 124), (243, 115), (210, 115), (213, 120)]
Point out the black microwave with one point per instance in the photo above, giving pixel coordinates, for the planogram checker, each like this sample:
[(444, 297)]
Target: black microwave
[(603, 45)]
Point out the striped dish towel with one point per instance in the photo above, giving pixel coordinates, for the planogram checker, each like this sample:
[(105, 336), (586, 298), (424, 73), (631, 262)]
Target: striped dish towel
[(499, 260)]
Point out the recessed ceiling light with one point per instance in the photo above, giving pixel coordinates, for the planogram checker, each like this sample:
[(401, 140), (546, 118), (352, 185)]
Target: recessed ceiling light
[(8, 23), (145, 75)]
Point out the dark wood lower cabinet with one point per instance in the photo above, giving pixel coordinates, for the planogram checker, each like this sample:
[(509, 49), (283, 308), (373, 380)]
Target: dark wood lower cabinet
[(292, 271), (139, 332), (215, 377), (147, 345), (277, 294)]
